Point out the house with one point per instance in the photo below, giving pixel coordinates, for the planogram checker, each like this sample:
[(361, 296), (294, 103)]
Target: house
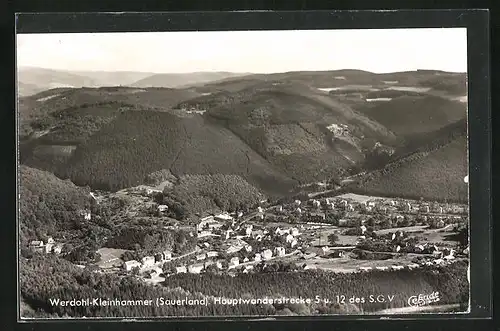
[(413, 266), (50, 241), (365, 268), (162, 208), (280, 251), (289, 238), (195, 268), (129, 265), (245, 260), (223, 217), (363, 229), (240, 214), (267, 254), (57, 249), (324, 249), (218, 264), (280, 209), (382, 268), (167, 255), (248, 248), (257, 257), (343, 222), (248, 230), (86, 215), (235, 261), (439, 261), (48, 248), (299, 210), (260, 209), (398, 248), (316, 204), (37, 246), (397, 267), (440, 224), (212, 254), (181, 269), (294, 232), (419, 248), (201, 257), (297, 202), (148, 261), (293, 243), (228, 233)]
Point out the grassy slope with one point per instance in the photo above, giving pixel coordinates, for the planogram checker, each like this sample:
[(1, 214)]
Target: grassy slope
[(436, 175)]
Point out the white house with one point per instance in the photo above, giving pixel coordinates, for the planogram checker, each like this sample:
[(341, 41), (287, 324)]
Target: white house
[(260, 209), (248, 230), (257, 257), (293, 243), (267, 254), (148, 261), (316, 204), (294, 232), (57, 249), (397, 267), (223, 217), (363, 229), (201, 257), (50, 241), (162, 208), (297, 202), (248, 248), (129, 265), (212, 254), (289, 238), (382, 268), (245, 260), (195, 268), (235, 261), (48, 248), (167, 255), (299, 210), (181, 269)]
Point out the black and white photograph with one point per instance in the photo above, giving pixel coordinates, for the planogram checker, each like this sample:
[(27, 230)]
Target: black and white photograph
[(189, 174)]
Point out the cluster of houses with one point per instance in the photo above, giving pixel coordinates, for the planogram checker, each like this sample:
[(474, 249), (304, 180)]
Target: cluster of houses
[(50, 247), (148, 262), (380, 205)]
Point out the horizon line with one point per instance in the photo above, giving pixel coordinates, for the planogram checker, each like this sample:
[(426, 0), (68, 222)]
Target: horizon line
[(234, 72)]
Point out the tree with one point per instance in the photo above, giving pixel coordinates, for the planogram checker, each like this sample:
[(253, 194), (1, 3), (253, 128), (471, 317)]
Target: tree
[(333, 238)]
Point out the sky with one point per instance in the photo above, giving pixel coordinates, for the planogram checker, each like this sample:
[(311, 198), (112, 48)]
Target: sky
[(378, 51)]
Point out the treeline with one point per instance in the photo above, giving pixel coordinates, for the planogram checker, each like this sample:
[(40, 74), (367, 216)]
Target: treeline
[(46, 278), (450, 281)]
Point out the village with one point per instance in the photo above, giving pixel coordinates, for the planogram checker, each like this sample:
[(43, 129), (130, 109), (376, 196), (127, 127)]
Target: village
[(346, 233)]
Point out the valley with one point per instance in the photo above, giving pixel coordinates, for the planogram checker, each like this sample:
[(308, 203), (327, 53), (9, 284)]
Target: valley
[(246, 185)]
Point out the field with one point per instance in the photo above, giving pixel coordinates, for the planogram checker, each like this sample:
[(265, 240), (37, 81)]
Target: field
[(110, 257)]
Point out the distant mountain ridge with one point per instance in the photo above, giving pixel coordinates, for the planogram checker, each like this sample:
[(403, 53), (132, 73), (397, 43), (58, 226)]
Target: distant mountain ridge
[(276, 132)]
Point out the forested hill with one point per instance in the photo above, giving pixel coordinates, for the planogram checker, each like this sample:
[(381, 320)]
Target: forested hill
[(436, 174), (275, 131), (48, 204)]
